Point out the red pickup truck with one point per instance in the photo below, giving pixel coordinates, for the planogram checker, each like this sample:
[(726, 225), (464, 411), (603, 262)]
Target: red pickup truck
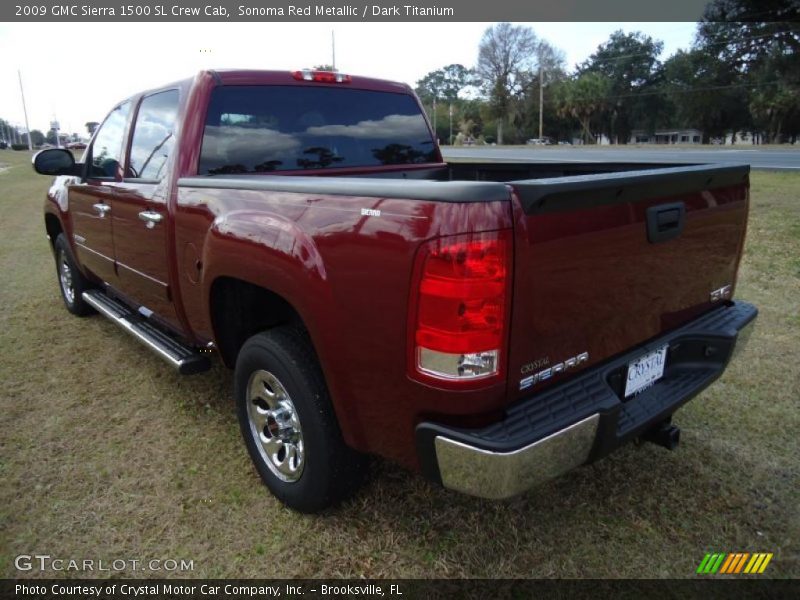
[(490, 324)]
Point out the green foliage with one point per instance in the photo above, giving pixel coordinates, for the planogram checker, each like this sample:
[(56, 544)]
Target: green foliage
[(37, 137), (629, 62), (741, 74), (586, 99), (445, 84), (762, 56), (704, 94)]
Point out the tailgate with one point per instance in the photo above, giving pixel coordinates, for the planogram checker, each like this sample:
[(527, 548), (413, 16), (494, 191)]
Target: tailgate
[(606, 262)]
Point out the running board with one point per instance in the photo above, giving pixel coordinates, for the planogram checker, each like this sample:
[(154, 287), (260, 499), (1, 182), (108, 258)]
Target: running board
[(184, 359)]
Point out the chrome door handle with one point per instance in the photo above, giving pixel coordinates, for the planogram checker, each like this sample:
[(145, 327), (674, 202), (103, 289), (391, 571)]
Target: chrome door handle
[(150, 218), (102, 208)]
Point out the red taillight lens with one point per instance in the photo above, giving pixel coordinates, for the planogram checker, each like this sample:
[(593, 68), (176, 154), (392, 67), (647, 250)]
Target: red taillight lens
[(321, 76), (460, 312)]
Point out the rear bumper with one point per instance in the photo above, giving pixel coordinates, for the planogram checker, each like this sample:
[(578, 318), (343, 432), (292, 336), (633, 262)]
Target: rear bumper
[(584, 418)]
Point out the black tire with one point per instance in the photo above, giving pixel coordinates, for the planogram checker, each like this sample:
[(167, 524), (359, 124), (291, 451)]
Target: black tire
[(71, 282), (283, 360)]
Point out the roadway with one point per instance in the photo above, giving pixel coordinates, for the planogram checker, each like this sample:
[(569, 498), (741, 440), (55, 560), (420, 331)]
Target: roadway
[(760, 158)]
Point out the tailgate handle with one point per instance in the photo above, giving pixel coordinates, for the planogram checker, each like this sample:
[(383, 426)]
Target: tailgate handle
[(665, 222)]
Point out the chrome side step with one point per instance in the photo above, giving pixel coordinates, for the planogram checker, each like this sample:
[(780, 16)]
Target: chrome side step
[(184, 359)]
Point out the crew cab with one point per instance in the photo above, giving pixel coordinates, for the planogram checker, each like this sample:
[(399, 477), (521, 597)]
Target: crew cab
[(490, 324)]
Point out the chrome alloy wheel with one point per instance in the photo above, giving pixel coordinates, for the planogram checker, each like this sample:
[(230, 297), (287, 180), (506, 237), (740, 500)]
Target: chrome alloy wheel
[(65, 278), (275, 426)]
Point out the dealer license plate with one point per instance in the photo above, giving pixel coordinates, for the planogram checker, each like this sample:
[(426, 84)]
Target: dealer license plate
[(645, 371)]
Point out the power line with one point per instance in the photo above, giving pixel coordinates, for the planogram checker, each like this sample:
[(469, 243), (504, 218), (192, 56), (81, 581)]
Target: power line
[(720, 43), (693, 90)]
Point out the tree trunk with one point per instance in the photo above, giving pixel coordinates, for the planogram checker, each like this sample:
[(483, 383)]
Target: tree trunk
[(500, 132), (586, 134)]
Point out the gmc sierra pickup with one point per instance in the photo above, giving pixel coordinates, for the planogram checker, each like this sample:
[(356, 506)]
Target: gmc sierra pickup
[(489, 324)]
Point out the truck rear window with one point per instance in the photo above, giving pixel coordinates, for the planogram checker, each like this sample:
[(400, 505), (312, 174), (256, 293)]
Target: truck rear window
[(257, 129)]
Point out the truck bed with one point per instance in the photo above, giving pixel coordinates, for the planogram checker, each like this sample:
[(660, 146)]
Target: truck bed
[(588, 278)]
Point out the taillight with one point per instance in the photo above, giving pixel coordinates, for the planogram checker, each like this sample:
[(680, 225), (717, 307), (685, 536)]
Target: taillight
[(321, 76), (459, 315)]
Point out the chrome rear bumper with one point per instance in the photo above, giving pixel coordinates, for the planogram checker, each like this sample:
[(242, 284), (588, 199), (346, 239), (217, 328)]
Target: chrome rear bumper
[(500, 475), (585, 417)]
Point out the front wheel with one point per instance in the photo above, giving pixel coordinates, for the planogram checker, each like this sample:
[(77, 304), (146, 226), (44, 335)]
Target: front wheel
[(71, 281), (288, 423)]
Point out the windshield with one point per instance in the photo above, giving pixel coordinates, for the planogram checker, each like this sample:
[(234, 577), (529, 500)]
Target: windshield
[(257, 129)]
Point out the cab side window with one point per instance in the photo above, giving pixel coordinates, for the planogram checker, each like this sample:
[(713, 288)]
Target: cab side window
[(107, 146), (153, 136)]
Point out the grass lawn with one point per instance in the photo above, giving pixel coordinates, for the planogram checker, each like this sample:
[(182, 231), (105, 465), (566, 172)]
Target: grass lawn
[(106, 453)]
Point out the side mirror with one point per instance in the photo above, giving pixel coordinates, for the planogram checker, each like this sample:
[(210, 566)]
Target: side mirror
[(56, 161)]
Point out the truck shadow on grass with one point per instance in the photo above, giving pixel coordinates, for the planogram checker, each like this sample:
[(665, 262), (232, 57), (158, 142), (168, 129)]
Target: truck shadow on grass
[(145, 461), (643, 505)]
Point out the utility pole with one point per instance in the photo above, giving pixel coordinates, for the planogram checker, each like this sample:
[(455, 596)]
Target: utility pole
[(25, 110), (450, 139), (434, 120), (541, 98), (56, 127), (333, 49)]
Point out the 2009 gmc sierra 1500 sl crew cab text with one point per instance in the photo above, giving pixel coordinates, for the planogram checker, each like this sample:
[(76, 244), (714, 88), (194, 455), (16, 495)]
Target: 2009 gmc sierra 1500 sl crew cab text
[(490, 324)]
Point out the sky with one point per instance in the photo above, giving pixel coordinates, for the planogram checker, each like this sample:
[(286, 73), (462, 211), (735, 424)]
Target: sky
[(75, 73)]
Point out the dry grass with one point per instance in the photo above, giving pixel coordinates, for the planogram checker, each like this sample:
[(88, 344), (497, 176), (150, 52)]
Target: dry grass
[(105, 453)]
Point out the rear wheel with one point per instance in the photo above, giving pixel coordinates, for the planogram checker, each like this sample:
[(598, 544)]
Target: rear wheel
[(71, 281), (288, 423)]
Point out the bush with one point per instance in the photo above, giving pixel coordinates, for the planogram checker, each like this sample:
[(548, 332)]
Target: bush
[(19, 146)]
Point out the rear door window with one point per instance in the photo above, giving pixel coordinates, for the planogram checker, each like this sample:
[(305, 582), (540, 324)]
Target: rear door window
[(258, 129)]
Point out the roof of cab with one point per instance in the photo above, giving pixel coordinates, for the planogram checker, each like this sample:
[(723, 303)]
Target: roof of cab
[(265, 77), (255, 77)]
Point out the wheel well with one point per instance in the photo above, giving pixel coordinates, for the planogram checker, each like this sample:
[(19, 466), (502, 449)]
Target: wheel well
[(240, 309), (53, 227)]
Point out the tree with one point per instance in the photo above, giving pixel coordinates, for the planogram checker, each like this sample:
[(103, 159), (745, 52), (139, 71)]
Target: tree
[(37, 137), (445, 84), (551, 61), (51, 137), (5, 131), (585, 98), (629, 61), (506, 59), (91, 126), (760, 42), (729, 30), (703, 93)]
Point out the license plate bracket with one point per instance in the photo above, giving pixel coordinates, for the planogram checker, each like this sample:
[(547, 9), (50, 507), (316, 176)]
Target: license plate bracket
[(644, 371)]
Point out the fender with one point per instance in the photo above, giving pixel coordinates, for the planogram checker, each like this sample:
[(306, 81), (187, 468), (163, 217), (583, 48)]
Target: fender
[(274, 253), (57, 204)]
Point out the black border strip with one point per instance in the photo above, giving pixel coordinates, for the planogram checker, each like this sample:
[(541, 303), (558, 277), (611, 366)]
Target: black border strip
[(704, 587)]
